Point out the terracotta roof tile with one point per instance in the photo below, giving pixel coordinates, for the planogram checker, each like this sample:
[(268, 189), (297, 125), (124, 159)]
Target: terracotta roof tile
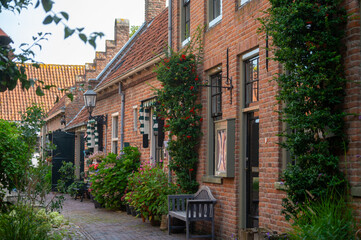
[(62, 76), (148, 45)]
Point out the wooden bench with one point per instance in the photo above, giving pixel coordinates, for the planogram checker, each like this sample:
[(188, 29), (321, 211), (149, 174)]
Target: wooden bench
[(190, 208)]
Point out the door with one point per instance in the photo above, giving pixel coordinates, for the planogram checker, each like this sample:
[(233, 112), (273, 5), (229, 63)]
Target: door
[(252, 170), (64, 152)]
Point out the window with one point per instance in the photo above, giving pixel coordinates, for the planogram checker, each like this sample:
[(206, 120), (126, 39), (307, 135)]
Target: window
[(252, 80), (214, 11), (185, 21), (115, 128), (216, 96)]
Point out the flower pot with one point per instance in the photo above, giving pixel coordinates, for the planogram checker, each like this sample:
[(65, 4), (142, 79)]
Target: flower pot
[(155, 221), (164, 223), (133, 211), (127, 207)]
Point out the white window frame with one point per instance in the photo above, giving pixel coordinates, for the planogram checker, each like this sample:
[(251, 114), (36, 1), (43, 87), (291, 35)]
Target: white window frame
[(115, 120)]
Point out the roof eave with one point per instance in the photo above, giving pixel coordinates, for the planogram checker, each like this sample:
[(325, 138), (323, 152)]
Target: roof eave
[(132, 71)]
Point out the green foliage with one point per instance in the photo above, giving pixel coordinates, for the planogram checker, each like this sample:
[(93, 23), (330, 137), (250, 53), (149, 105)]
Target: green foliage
[(180, 107), (147, 191), (133, 29), (23, 223), (14, 155), (329, 218), (306, 38), (110, 178), (67, 176)]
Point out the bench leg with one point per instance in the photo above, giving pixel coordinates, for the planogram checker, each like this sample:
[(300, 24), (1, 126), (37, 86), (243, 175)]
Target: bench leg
[(169, 224), (187, 229), (212, 229)]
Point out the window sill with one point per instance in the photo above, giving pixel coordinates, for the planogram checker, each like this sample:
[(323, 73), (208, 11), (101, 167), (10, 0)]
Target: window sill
[(214, 22), (280, 186), (186, 41), (356, 191), (212, 179), (243, 4)]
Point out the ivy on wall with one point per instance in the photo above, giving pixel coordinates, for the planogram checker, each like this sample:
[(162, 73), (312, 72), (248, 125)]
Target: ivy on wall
[(307, 39), (178, 104)]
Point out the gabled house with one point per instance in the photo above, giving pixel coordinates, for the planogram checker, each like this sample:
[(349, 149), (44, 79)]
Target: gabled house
[(66, 121)]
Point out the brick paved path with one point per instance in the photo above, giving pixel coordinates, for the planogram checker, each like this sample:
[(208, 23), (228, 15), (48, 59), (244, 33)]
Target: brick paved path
[(88, 222)]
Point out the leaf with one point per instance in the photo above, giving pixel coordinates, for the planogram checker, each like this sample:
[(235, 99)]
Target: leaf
[(80, 29), (71, 96), (48, 20), (47, 5), (39, 92), (34, 38), (48, 87), (92, 42), (68, 32), (57, 19), (37, 4), (40, 33), (83, 37), (57, 99), (65, 15)]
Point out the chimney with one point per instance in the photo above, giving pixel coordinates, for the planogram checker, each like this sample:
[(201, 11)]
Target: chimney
[(121, 31), (153, 8)]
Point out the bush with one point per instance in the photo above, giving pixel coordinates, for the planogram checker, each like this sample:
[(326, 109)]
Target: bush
[(67, 176), (148, 190), (328, 218), (23, 222), (110, 178)]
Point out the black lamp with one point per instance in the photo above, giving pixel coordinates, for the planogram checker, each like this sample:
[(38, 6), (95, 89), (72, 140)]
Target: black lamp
[(90, 98)]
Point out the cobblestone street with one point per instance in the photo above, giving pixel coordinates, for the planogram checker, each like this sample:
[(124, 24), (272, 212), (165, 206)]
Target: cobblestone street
[(88, 222)]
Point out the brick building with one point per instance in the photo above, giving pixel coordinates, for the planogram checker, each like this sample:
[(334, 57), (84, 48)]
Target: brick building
[(248, 190), (252, 198)]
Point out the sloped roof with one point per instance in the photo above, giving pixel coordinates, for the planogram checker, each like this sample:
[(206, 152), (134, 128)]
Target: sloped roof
[(151, 42), (80, 119), (62, 76), (58, 106)]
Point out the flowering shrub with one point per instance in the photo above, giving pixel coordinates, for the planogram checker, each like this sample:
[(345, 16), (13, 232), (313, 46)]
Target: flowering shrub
[(180, 107), (307, 39), (110, 177), (147, 191)]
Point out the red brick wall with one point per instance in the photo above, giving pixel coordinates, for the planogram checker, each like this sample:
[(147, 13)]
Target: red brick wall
[(352, 62)]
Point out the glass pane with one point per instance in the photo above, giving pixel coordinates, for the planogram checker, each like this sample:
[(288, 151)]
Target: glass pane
[(216, 8)]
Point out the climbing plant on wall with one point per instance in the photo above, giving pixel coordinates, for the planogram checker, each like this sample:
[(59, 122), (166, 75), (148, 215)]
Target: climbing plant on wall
[(178, 104), (307, 39)]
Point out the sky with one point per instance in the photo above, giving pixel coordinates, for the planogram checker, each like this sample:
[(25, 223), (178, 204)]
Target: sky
[(94, 15)]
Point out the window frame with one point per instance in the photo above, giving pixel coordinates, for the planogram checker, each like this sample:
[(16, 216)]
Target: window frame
[(249, 81), (185, 25), (213, 20), (216, 94), (115, 132)]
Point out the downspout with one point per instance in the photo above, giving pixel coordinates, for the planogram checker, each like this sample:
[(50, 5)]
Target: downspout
[(106, 130), (169, 26), (122, 110), (170, 16)]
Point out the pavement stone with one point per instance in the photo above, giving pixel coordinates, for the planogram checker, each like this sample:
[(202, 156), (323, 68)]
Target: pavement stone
[(88, 222)]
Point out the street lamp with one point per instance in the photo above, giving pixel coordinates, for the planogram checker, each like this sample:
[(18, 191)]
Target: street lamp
[(90, 98)]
